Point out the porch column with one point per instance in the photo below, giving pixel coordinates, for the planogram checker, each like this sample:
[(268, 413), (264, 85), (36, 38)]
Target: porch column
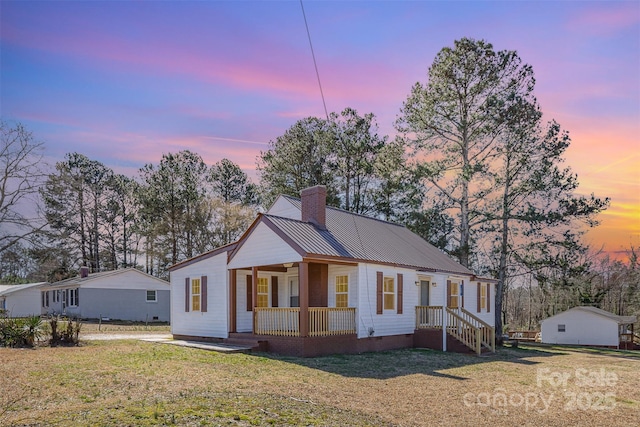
[(303, 280), (233, 300), (254, 274)]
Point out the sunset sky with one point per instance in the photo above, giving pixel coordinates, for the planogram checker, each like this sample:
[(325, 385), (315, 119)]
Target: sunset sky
[(125, 82)]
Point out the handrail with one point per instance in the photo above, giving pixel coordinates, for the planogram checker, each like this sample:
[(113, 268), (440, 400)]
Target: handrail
[(488, 331), (464, 331)]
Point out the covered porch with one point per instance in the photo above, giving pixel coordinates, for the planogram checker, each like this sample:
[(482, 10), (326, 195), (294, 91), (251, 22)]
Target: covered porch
[(291, 300)]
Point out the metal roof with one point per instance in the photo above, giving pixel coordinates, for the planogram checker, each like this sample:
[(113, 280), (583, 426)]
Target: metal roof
[(350, 235)]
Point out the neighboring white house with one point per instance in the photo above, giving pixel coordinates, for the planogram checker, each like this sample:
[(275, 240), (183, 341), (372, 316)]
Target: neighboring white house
[(127, 294), (21, 300), (587, 326), (310, 279)]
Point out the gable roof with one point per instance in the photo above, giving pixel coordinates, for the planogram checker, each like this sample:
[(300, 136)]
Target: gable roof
[(358, 238), (600, 312), (197, 258), (9, 289), (79, 281)]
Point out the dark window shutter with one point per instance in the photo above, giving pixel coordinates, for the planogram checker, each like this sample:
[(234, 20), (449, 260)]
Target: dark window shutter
[(187, 283), (488, 297), (400, 293), (249, 292), (203, 294), (274, 291), (478, 302), (379, 292), (461, 290), (449, 293)]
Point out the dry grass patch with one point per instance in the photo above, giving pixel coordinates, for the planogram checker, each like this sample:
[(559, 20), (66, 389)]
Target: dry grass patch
[(94, 327), (136, 383)]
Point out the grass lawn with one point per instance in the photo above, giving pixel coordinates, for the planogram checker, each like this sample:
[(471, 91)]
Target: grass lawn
[(136, 383)]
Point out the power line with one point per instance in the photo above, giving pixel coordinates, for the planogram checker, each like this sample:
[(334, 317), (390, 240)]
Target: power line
[(314, 61)]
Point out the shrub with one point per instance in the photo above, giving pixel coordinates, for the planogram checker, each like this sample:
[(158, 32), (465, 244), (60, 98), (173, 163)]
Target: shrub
[(64, 331), (20, 332)]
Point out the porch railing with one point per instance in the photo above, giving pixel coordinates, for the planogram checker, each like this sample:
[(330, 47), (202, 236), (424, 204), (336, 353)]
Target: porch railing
[(428, 317), (323, 321), (464, 326), (282, 322)]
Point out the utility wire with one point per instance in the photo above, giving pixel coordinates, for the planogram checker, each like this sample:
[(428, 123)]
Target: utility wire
[(324, 104)]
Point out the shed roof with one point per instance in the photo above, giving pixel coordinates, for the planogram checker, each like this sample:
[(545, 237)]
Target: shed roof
[(599, 312)]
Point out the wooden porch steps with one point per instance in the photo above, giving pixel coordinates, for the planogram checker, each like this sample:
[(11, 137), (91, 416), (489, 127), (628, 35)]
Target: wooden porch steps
[(247, 340)]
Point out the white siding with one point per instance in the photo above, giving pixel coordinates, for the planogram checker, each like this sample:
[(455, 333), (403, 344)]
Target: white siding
[(244, 320), (388, 323), (214, 322), (581, 328), (284, 208), (24, 302), (263, 247)]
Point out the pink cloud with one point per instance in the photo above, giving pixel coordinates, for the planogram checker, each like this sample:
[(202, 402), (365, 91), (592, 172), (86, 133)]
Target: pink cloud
[(606, 20)]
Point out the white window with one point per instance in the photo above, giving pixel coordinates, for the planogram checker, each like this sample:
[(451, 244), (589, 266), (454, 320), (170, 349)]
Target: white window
[(561, 328), (389, 292), (342, 291), (45, 299), (195, 294), (56, 296), (73, 297), (152, 296), (263, 292)]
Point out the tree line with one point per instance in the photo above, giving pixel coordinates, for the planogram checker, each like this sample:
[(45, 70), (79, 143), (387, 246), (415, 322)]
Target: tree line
[(473, 169)]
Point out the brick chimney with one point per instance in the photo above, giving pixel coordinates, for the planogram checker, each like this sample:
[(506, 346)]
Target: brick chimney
[(314, 206), (84, 272)]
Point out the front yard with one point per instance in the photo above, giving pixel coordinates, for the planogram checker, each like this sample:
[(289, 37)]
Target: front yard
[(137, 383)]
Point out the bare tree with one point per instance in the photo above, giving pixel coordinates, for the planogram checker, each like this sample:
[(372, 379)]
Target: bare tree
[(21, 174)]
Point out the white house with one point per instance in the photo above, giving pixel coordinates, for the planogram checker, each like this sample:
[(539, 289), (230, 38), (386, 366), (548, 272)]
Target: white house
[(127, 294), (21, 300), (306, 279), (588, 326)]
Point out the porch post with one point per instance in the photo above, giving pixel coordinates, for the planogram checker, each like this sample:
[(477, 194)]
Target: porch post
[(233, 300), (303, 280), (254, 273)]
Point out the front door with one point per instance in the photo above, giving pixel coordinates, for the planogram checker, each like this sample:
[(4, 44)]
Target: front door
[(294, 292), (424, 292)]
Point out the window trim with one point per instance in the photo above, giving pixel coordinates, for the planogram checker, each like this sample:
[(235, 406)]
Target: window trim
[(155, 295), (455, 285), (262, 282), (385, 292), (73, 297), (342, 293), (196, 296)]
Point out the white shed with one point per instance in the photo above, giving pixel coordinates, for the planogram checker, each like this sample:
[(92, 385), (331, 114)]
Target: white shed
[(21, 300), (587, 326)]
